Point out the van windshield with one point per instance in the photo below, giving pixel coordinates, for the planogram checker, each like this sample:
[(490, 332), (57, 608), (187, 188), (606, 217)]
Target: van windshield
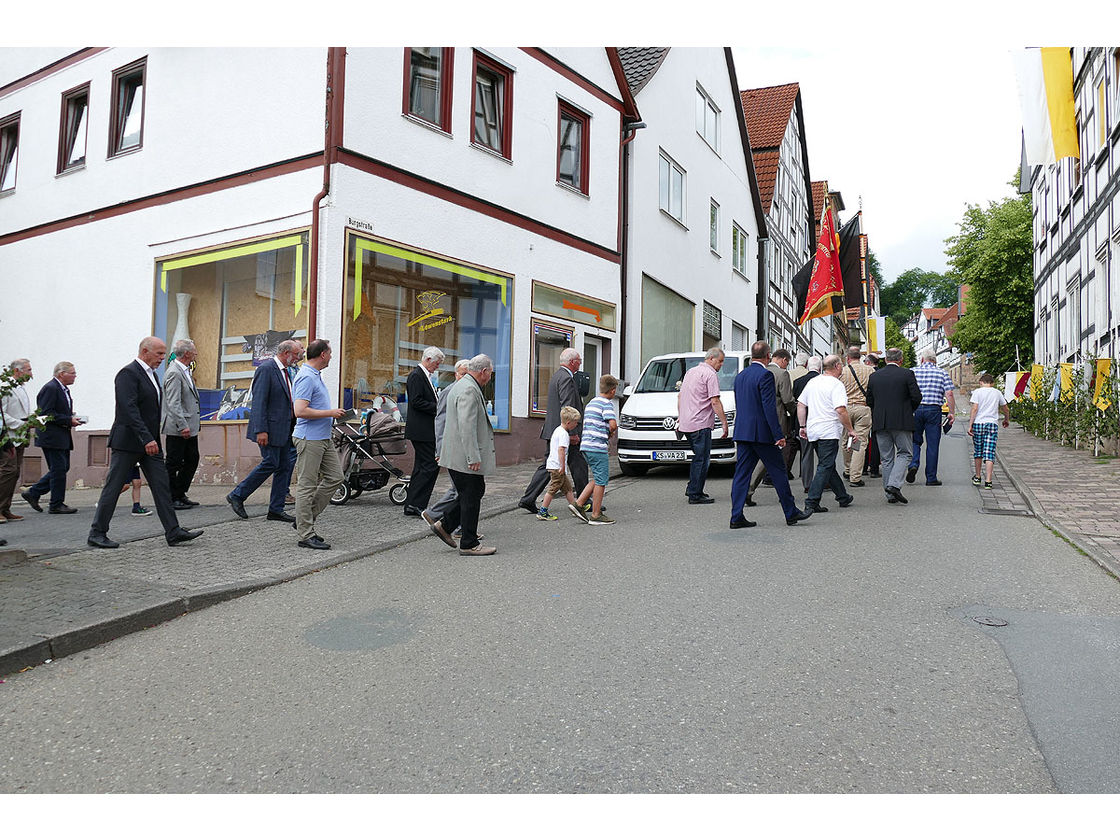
[(666, 374)]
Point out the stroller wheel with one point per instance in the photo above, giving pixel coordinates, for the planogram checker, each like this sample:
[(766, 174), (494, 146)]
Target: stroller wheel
[(398, 493), (341, 494)]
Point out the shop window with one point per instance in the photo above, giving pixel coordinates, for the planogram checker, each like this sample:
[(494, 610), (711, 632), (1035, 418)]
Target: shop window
[(549, 341), (399, 301), (571, 154), (126, 123), (72, 129), (492, 105), (427, 84), (667, 320), (236, 304), (9, 152)]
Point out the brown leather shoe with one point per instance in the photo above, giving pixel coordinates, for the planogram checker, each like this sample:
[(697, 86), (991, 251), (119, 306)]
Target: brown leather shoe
[(478, 551), (12, 517)]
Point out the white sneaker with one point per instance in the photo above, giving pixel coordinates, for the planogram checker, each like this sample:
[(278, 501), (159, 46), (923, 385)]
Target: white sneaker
[(578, 512)]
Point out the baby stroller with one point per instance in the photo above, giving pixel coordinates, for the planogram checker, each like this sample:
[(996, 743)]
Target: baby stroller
[(369, 440)]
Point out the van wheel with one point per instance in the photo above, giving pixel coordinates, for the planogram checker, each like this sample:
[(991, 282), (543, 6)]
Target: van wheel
[(633, 469)]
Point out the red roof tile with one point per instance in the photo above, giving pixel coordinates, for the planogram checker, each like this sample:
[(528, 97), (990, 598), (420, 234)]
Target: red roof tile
[(767, 111)]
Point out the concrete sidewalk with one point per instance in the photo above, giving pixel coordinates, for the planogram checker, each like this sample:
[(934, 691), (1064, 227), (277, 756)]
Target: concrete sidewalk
[(58, 596)]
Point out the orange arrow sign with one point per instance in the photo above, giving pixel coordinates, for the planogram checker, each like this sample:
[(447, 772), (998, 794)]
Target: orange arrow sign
[(567, 304)]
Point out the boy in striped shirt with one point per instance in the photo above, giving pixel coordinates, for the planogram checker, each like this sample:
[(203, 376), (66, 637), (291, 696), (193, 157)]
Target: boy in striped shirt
[(599, 424)]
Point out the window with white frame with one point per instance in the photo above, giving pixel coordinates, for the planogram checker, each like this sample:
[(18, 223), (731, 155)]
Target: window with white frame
[(126, 118), (9, 151), (671, 188), (72, 129), (707, 119), (713, 226), (738, 249)]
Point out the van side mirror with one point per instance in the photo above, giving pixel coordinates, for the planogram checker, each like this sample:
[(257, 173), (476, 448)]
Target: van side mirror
[(628, 390)]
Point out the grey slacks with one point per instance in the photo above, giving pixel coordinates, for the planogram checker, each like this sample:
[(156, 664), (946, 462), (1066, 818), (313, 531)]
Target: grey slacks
[(895, 449)]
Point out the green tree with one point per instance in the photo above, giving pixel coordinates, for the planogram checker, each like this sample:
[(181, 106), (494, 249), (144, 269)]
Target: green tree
[(914, 289), (992, 255), (895, 338)]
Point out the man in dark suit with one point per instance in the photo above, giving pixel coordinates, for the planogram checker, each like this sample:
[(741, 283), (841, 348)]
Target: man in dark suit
[(758, 437), (55, 439), (420, 428), (271, 420), (787, 417), (134, 440), (893, 395), (562, 391)]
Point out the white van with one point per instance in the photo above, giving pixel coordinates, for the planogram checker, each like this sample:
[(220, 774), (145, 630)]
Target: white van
[(647, 426)]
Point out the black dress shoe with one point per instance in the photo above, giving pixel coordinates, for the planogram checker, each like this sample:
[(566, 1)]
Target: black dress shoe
[(178, 504), (314, 541), (751, 502), (101, 541), (896, 494), (891, 500), (814, 507), (62, 509), (846, 502), (859, 483), (182, 535), (33, 501), (189, 502), (280, 517), (237, 505), (700, 500), (800, 516), (910, 473), (409, 510), (529, 506), (740, 522), (934, 483)]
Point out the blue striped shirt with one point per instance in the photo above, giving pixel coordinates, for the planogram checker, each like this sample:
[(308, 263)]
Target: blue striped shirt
[(933, 383), (596, 425)]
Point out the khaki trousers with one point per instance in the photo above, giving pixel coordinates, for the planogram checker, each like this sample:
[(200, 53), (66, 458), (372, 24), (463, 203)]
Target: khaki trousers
[(854, 460), (320, 473)]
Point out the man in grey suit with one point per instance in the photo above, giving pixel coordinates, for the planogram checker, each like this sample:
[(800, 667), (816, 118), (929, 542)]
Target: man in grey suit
[(181, 423), (562, 391), (435, 512), (468, 454)]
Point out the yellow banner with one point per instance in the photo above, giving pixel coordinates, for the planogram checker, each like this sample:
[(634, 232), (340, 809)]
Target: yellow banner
[(1036, 382), (1104, 371), (1067, 381)]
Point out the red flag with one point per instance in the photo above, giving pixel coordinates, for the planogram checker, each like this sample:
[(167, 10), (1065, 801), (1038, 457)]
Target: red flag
[(1021, 384), (826, 287)]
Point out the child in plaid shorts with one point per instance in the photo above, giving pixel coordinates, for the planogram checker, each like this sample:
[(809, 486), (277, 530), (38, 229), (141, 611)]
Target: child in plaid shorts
[(983, 425)]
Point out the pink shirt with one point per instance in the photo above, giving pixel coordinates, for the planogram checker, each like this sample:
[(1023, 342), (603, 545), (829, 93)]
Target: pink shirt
[(699, 385)]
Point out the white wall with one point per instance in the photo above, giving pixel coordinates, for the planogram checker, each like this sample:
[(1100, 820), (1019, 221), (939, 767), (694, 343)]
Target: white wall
[(675, 255)]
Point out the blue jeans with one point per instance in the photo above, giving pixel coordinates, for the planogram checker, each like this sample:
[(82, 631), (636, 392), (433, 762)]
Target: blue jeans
[(927, 420), (701, 443), (826, 475), (276, 461)]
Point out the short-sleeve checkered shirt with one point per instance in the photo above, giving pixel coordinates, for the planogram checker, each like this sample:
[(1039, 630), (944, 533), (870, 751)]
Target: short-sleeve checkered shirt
[(933, 383)]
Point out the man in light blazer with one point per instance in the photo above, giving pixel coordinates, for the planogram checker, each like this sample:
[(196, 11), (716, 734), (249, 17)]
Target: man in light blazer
[(134, 440), (468, 454), (56, 439), (181, 423), (562, 391), (271, 420), (420, 429), (434, 512)]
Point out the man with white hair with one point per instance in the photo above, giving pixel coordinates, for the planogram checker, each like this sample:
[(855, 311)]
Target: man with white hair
[(420, 428), (808, 447), (14, 411), (698, 406), (562, 391), (936, 388), (55, 439), (181, 422), (468, 454), (433, 513)]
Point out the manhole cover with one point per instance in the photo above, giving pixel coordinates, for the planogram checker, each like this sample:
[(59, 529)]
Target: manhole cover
[(988, 621)]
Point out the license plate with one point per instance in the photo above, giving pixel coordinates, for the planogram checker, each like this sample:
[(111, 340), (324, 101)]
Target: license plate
[(671, 455)]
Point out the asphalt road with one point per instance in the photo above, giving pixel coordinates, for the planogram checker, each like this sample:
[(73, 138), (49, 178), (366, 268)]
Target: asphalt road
[(665, 654)]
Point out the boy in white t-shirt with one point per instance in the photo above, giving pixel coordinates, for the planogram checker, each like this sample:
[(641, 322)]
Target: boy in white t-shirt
[(559, 483), (983, 425)]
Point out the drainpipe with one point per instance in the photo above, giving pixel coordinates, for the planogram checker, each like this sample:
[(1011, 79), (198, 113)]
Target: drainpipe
[(762, 301), (332, 138), (631, 130)]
